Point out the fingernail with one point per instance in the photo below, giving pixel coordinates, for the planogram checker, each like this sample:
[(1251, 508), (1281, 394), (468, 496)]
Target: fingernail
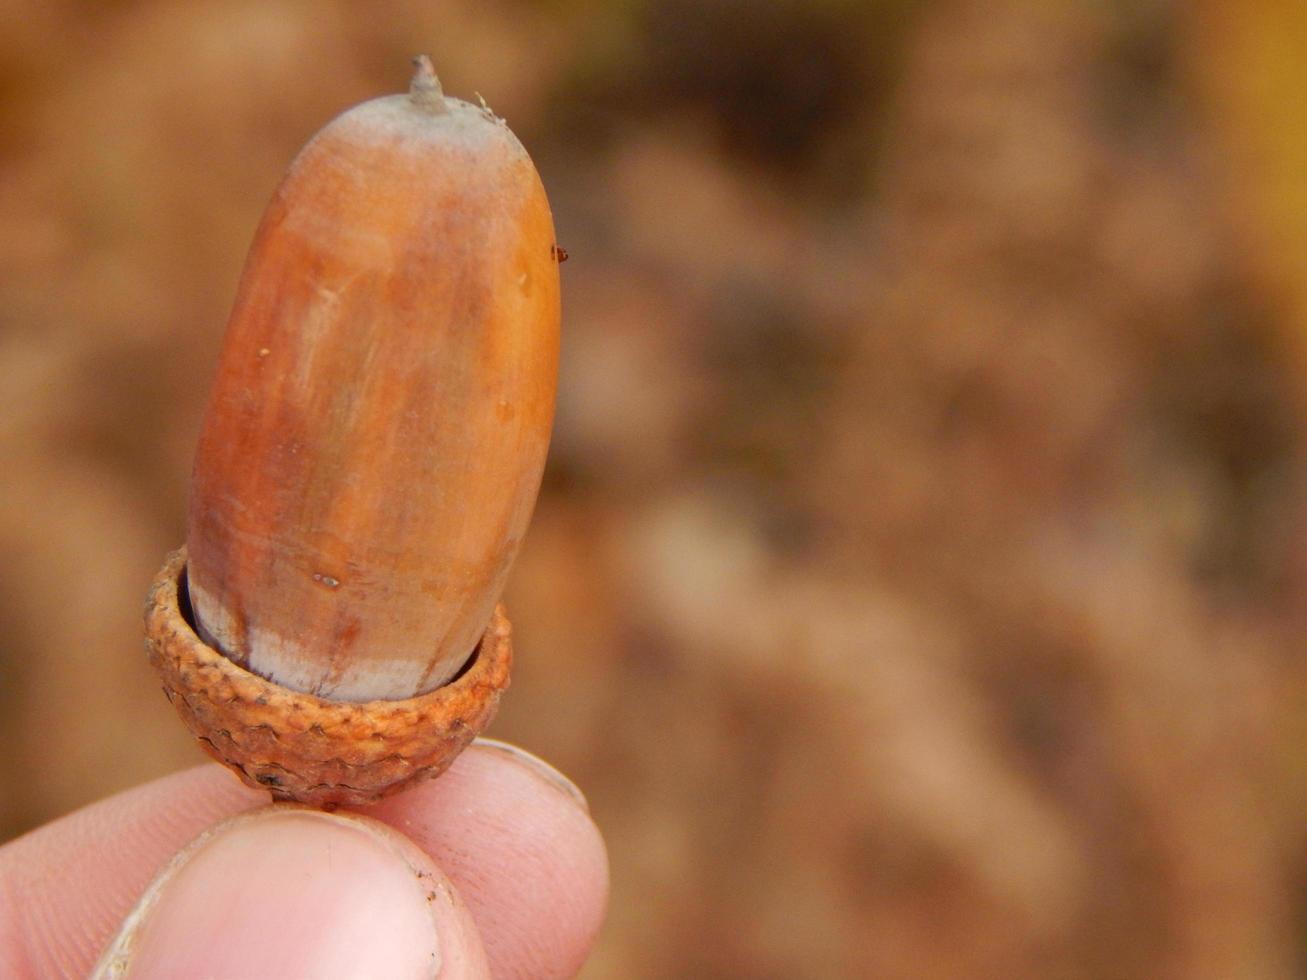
[(538, 766), (283, 892)]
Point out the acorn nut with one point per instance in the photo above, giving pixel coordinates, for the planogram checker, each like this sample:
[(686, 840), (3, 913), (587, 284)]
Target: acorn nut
[(369, 458)]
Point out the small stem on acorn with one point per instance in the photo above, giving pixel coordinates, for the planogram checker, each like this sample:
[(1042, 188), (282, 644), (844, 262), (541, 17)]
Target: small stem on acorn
[(424, 88)]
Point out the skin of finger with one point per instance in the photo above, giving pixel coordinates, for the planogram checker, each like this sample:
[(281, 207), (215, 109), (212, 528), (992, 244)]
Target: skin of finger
[(526, 858), (286, 890), (524, 855), (65, 887)]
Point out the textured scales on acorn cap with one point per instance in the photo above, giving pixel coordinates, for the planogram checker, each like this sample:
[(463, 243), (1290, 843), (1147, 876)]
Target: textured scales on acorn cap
[(374, 441)]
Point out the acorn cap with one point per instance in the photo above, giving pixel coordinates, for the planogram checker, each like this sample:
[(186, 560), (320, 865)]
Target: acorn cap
[(306, 748)]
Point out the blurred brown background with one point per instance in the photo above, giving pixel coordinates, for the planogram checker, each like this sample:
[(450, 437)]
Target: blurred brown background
[(917, 589)]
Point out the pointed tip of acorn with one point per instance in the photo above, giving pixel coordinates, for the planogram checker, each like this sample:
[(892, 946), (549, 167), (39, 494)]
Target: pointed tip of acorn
[(424, 88)]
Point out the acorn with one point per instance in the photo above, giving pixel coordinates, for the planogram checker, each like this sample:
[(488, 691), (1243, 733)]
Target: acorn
[(369, 458)]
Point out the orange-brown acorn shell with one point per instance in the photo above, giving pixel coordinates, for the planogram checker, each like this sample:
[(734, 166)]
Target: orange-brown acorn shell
[(375, 439)]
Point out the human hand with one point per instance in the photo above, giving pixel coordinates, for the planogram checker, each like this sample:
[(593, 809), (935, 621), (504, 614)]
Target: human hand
[(495, 869)]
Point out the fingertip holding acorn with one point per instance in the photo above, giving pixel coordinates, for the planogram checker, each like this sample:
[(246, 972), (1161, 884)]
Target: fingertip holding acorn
[(369, 458)]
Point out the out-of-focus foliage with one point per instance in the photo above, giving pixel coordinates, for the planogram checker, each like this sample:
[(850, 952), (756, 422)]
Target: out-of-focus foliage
[(917, 589), (1247, 61)]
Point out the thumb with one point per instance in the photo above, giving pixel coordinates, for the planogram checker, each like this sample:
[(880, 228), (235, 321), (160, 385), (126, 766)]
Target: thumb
[(291, 892)]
